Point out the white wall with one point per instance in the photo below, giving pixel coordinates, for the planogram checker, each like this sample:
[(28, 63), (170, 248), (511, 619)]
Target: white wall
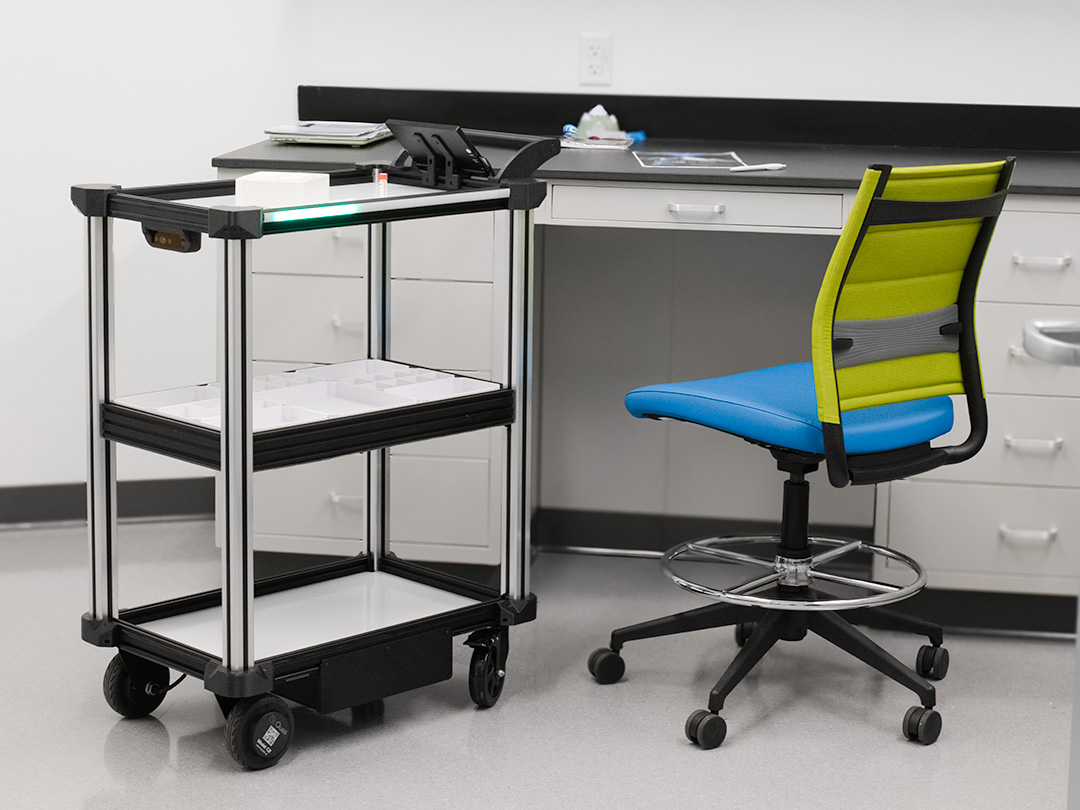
[(136, 92), (965, 51)]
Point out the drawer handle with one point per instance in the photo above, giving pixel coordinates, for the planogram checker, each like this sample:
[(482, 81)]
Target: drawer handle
[(354, 236), (1027, 537), (1035, 445), (689, 208), (1053, 263), (345, 325), (354, 501)]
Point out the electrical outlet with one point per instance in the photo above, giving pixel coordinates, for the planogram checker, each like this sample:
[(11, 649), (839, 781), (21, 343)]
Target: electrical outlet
[(594, 59)]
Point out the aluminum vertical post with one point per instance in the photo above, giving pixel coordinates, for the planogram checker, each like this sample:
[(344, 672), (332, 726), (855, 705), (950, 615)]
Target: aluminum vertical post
[(234, 479), (378, 347), (101, 453), (518, 250)]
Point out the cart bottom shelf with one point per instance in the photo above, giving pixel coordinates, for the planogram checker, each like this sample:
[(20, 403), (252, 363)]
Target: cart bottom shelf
[(316, 614)]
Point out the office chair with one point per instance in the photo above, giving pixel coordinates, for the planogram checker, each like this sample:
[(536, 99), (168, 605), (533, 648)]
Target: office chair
[(893, 337)]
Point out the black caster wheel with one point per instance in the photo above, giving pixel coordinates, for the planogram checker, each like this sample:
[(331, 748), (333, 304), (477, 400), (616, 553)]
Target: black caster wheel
[(606, 665), (485, 678), (706, 729), (134, 694), (922, 724), (932, 662), (258, 731), (743, 631)]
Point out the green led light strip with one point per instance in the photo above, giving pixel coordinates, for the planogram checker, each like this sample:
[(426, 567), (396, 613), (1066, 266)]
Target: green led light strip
[(318, 212)]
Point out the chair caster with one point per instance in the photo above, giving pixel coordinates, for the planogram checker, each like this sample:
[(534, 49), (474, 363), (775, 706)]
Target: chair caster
[(922, 724), (706, 729), (743, 631), (606, 665), (932, 662)]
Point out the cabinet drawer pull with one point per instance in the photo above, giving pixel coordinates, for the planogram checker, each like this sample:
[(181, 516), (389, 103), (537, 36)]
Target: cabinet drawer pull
[(1052, 263), (1027, 537), (353, 501), (690, 208), (356, 236), (1035, 445), (345, 325)]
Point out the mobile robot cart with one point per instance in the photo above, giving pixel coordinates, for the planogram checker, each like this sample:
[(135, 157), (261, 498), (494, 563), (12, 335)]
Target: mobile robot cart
[(351, 632)]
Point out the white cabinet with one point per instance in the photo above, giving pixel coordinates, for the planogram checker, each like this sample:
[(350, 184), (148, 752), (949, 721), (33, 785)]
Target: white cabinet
[(310, 308), (1009, 519)]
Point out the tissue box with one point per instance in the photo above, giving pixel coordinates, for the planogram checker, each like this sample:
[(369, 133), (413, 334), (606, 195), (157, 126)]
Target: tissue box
[(282, 189)]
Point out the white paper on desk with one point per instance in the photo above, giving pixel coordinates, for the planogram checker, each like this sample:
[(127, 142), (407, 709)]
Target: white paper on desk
[(353, 133), (689, 160)]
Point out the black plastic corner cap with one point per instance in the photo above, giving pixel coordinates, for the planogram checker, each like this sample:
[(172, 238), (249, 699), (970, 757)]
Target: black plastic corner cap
[(526, 194), (239, 684), (517, 611), (235, 222), (92, 199), (99, 632)]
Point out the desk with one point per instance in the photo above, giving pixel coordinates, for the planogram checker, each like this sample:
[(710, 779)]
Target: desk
[(632, 294)]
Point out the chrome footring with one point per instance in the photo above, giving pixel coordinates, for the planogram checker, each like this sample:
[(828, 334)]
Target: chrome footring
[(792, 572)]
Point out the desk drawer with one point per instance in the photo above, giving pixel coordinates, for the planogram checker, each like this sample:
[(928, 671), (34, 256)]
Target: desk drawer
[(979, 536), (1007, 368), (330, 252), (680, 206), (1032, 440), (309, 319), (1033, 258)]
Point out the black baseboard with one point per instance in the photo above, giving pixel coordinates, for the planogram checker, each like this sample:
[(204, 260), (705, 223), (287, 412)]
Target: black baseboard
[(579, 528), (52, 503), (565, 529)]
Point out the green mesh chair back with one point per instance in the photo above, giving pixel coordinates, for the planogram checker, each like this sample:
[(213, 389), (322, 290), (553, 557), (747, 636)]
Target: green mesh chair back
[(895, 316)]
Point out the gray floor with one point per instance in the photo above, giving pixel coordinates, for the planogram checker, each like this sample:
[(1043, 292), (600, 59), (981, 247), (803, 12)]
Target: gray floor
[(810, 728)]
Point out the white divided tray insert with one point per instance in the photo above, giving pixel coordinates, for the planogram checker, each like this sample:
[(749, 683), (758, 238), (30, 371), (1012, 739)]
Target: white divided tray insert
[(313, 394)]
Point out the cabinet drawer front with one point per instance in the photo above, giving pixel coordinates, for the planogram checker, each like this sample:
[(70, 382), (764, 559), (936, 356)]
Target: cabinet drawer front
[(319, 500), (1032, 440), (1007, 368), (459, 248), (441, 324), (1033, 258), (309, 319), (697, 207), (330, 252), (445, 509), (986, 529)]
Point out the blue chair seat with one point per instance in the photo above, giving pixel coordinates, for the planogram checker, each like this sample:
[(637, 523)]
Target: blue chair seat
[(778, 406)]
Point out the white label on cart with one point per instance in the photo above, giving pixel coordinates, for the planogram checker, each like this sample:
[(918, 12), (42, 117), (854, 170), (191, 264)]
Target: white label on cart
[(266, 743)]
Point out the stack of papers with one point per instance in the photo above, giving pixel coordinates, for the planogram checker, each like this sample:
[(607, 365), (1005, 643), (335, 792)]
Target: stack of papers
[(337, 133)]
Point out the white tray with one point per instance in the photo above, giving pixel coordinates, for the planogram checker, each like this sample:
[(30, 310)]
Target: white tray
[(314, 394)]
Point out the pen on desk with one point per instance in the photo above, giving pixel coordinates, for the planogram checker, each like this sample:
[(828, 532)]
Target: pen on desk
[(760, 167)]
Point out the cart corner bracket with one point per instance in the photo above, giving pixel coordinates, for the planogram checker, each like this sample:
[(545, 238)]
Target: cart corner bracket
[(92, 199), (239, 683), (99, 632), (526, 194), (235, 222), (517, 611)]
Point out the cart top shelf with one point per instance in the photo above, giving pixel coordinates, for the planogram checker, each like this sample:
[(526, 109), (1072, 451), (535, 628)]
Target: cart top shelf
[(427, 180)]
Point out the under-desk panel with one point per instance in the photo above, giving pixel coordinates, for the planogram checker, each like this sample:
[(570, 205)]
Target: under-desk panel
[(625, 308)]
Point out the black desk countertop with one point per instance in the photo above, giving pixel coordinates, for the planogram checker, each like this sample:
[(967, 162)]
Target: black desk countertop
[(808, 165)]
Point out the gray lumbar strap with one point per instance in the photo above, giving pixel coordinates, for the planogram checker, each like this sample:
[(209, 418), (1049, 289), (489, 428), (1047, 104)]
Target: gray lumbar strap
[(868, 341)]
